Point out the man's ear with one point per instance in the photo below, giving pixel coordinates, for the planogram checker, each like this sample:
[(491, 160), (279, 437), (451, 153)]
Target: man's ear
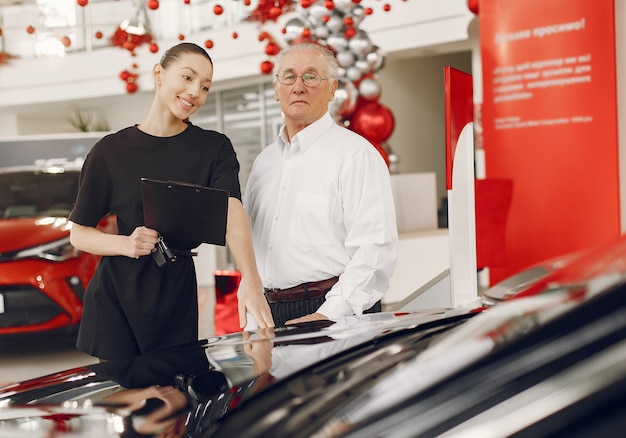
[(333, 90), (275, 91)]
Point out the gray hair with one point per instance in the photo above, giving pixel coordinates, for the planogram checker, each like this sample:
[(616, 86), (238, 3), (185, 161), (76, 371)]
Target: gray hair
[(329, 57)]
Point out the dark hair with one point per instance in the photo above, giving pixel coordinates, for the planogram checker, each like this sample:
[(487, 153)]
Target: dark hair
[(174, 53)]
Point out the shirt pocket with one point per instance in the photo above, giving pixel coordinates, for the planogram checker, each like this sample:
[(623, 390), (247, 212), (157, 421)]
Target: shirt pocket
[(312, 219)]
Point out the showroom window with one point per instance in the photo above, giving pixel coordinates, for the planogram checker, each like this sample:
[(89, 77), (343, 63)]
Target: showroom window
[(248, 115), (251, 118)]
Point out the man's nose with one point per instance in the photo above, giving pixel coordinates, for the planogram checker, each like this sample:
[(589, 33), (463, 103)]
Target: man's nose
[(299, 84)]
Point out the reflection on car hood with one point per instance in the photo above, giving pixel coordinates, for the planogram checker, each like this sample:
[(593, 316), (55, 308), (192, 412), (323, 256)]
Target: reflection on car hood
[(16, 234), (397, 369), (416, 373), (200, 381)]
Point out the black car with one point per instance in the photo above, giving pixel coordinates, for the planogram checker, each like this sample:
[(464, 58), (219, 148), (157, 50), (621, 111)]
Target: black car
[(190, 387), (549, 363)]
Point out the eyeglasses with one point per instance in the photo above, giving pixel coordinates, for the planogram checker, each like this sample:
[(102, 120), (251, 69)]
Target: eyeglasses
[(309, 79)]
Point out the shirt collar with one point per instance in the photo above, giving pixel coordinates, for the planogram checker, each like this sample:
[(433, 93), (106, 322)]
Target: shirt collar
[(308, 135)]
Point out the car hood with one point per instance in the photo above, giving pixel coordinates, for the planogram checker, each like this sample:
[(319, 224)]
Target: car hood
[(16, 234), (202, 381), (584, 266)]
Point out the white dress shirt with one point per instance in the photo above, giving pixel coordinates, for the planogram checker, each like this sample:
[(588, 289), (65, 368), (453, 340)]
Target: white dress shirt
[(322, 207)]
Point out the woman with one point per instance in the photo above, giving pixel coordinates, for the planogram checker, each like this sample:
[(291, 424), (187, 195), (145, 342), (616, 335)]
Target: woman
[(132, 306)]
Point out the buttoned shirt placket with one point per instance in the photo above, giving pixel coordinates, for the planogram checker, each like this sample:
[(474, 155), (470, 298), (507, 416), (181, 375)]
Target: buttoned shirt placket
[(286, 169)]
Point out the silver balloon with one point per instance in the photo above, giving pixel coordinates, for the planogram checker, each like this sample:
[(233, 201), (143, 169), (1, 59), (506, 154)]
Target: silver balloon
[(293, 29), (344, 6), (345, 58), (376, 58), (394, 159), (337, 42), (341, 72), (369, 88), (363, 66), (360, 44), (318, 11), (353, 74), (358, 13), (335, 23), (344, 102), (321, 32)]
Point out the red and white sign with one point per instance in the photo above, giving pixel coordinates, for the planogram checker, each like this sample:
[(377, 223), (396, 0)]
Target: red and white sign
[(549, 119)]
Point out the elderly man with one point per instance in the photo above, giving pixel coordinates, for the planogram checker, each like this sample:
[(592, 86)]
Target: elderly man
[(319, 201)]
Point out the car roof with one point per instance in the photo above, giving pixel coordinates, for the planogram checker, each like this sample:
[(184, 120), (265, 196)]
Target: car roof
[(47, 165)]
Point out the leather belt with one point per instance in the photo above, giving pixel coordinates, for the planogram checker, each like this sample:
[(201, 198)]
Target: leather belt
[(304, 291)]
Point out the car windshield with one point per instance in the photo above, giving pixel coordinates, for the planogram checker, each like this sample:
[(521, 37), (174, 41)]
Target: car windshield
[(36, 194)]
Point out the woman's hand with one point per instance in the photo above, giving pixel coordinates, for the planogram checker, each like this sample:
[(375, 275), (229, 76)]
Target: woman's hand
[(252, 300), (141, 242)]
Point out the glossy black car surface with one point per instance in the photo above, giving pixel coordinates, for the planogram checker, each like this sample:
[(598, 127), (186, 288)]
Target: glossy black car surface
[(187, 389), (549, 362)]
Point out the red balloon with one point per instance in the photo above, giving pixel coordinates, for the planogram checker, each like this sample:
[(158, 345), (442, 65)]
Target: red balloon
[(372, 120), (472, 5), (382, 151), (267, 67), (131, 87), (272, 49)]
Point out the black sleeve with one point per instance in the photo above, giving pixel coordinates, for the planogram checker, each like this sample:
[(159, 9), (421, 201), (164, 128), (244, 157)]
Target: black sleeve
[(94, 190), (226, 171)]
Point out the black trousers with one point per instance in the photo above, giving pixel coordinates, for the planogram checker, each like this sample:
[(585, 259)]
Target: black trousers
[(282, 312)]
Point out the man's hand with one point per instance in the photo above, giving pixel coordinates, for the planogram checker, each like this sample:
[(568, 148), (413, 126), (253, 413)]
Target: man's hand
[(307, 318), (251, 299)]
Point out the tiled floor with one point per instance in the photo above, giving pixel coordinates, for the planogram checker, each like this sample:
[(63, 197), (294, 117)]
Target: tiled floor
[(25, 358)]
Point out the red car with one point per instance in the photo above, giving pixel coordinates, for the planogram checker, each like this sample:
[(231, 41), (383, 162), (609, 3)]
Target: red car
[(42, 276)]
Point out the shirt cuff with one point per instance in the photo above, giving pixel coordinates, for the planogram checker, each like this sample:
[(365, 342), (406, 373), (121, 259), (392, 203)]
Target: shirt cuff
[(335, 307)]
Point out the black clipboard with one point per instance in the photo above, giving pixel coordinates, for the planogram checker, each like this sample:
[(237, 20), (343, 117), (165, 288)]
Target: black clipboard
[(185, 214)]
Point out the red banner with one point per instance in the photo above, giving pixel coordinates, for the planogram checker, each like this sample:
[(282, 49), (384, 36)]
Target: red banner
[(459, 112), (550, 123)]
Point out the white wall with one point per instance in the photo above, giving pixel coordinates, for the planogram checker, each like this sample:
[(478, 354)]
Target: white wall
[(414, 89)]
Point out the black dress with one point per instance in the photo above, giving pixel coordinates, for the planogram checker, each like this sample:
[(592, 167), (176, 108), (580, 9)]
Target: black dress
[(131, 305)]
